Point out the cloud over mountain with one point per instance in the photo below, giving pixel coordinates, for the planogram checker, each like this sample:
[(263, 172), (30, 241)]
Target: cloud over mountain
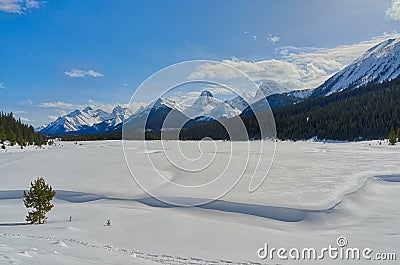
[(298, 68), (393, 12)]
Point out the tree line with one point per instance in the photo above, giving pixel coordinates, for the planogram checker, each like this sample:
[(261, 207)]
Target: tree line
[(91, 137), (16, 132)]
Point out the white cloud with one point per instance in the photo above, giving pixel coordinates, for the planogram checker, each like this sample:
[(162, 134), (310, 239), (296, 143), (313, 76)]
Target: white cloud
[(218, 90), (2, 86), (52, 117), (187, 98), (272, 38), (298, 68), (28, 101), (93, 73), (25, 119), (57, 104), (20, 112), (75, 73), (64, 107), (18, 6), (393, 12)]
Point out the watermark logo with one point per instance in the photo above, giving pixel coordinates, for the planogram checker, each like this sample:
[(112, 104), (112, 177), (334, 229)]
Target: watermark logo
[(340, 251), (198, 172), (341, 241)]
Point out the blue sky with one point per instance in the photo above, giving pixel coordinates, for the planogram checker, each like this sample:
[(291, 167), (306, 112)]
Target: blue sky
[(56, 55)]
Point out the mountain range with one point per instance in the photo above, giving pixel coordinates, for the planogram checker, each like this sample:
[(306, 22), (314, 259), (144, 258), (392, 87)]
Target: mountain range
[(378, 64), (88, 120)]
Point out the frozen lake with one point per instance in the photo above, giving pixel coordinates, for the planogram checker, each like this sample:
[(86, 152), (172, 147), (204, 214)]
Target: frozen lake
[(313, 194)]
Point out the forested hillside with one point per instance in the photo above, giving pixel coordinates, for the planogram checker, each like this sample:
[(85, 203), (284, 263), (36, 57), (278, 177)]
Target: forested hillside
[(364, 113), (15, 131)]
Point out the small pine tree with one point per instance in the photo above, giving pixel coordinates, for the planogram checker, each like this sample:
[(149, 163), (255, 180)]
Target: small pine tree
[(392, 137), (108, 223), (39, 198)]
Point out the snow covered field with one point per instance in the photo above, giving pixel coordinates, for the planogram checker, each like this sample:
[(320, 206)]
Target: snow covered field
[(314, 193)]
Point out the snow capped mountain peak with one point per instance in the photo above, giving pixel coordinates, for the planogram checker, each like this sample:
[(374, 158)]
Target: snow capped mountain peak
[(87, 120), (206, 100), (76, 112), (268, 87), (87, 109), (208, 106), (379, 63), (381, 49), (166, 102), (206, 93), (118, 109)]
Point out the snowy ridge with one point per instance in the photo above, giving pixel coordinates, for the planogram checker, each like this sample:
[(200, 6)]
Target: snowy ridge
[(269, 87), (76, 120), (378, 64), (165, 103), (88, 119), (160, 104), (300, 94), (239, 102)]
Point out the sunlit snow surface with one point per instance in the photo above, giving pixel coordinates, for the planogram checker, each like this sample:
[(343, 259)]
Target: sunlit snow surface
[(314, 193)]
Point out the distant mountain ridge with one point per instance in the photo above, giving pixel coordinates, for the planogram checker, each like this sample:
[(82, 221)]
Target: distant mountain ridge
[(378, 64), (87, 120), (204, 109)]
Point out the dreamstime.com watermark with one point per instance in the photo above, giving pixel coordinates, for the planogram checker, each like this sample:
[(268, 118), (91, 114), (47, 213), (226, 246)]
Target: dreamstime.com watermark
[(340, 251)]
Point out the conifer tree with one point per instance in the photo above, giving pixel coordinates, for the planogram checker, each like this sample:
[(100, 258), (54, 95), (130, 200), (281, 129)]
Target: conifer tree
[(2, 134), (39, 198), (392, 137)]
